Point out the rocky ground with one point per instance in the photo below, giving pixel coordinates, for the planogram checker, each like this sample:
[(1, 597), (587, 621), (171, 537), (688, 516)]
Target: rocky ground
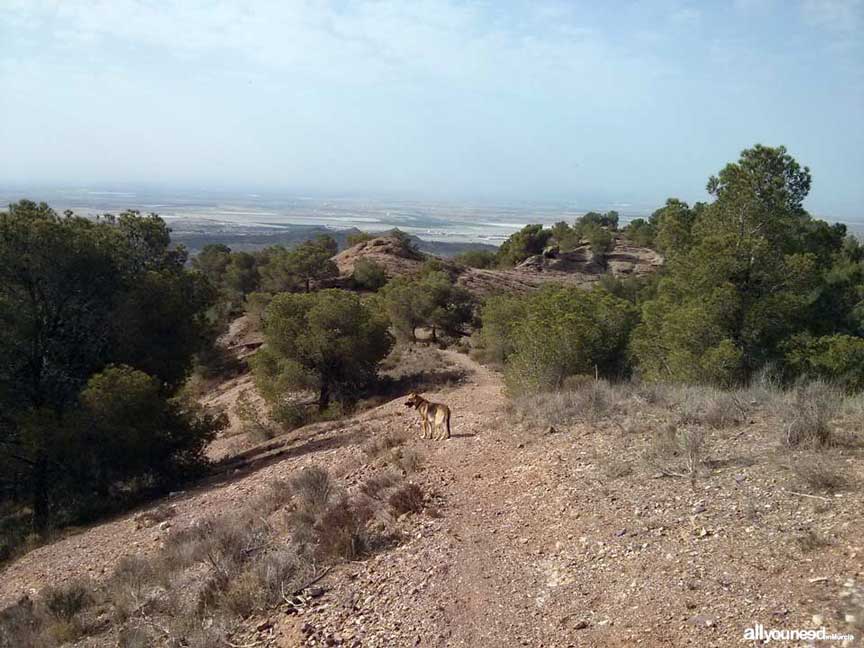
[(539, 536)]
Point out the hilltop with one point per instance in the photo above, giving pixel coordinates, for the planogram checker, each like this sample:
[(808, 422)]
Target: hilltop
[(577, 267)]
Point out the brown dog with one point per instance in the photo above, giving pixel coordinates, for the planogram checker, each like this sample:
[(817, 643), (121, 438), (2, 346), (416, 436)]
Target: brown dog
[(434, 417)]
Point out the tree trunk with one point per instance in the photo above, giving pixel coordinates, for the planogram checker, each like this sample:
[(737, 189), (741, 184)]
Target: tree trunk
[(324, 397), (308, 286), (434, 334), (40, 497)]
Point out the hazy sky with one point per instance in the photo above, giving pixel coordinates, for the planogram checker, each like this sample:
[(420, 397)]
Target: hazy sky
[(576, 101)]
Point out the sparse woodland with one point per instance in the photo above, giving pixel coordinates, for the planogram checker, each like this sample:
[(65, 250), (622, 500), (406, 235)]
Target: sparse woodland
[(751, 336)]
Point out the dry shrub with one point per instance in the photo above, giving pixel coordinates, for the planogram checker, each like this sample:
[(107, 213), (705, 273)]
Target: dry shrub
[(125, 589), (676, 450), (183, 547), (708, 406), (312, 489), (135, 637), (261, 585), (407, 499), (341, 530), (20, 625), (616, 468), (589, 401), (408, 460), (378, 445), (275, 495), (806, 413), (65, 602), (818, 473), (209, 575), (810, 540), (62, 632), (375, 485)]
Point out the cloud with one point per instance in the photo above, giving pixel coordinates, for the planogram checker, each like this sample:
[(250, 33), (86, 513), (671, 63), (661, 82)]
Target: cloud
[(352, 43), (835, 15)]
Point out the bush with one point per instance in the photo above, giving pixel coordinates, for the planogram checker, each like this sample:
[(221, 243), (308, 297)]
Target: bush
[(806, 412), (584, 400), (567, 331), (708, 406), (312, 488), (676, 450), (369, 275), (407, 499), (358, 237), (341, 530), (64, 603), (528, 241), (255, 422), (819, 473), (477, 259), (835, 358)]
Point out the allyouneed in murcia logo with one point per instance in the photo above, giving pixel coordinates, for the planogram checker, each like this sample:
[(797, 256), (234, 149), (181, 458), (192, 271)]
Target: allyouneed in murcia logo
[(758, 632)]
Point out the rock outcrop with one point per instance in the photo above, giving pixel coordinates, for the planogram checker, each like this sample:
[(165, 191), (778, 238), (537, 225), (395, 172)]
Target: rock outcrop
[(578, 267)]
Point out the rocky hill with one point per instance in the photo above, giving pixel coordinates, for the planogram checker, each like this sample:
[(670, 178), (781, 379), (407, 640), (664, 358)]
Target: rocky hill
[(579, 266)]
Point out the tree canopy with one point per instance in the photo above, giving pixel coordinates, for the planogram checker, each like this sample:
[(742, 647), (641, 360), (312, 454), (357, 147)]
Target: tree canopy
[(76, 297), (744, 276), (327, 340)]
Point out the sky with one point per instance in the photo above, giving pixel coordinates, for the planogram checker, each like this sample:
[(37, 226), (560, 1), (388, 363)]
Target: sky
[(497, 100)]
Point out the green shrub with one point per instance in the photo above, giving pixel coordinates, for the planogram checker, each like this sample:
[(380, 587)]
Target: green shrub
[(369, 275), (837, 358), (566, 331), (477, 259)]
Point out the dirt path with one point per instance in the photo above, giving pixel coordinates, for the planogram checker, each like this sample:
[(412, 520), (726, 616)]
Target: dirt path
[(538, 547)]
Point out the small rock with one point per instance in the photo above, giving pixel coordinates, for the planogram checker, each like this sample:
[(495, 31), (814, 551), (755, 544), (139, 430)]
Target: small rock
[(315, 592), (261, 627), (701, 620), (817, 619), (580, 625), (699, 508), (620, 533)]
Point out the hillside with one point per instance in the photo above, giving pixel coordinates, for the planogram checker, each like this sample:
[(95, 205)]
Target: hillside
[(526, 534), (577, 267)]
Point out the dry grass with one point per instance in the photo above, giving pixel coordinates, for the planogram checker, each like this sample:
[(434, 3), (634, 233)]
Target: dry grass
[(408, 460), (818, 473), (614, 468), (376, 485), (588, 401), (806, 412), (809, 541), (210, 575), (378, 445), (253, 417), (709, 407), (676, 451)]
